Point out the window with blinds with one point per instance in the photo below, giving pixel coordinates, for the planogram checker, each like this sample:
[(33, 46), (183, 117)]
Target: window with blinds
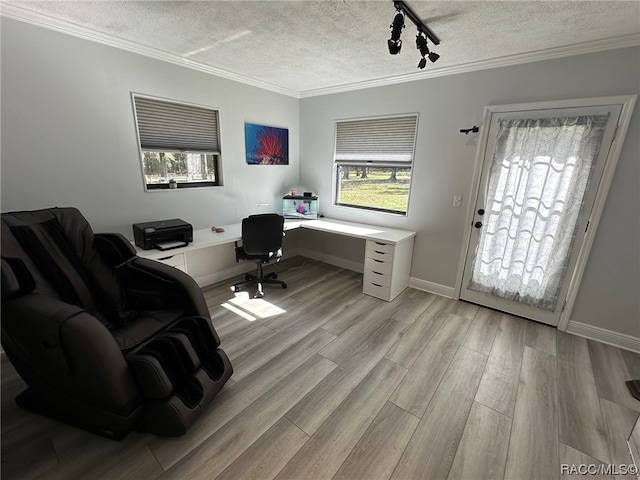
[(373, 160), (179, 143)]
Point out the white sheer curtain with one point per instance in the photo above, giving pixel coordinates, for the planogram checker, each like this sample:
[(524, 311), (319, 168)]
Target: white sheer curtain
[(537, 181)]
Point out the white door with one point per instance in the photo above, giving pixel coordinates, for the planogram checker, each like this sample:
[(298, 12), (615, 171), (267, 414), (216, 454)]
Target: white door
[(540, 174)]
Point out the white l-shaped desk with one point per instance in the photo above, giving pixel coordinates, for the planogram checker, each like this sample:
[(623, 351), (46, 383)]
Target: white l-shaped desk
[(387, 264)]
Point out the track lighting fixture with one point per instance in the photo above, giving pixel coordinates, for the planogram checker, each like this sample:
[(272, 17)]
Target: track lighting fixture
[(424, 33), (421, 43), (395, 43)]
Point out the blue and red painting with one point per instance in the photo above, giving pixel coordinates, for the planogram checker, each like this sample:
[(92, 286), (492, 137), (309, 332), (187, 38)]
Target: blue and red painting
[(266, 145)]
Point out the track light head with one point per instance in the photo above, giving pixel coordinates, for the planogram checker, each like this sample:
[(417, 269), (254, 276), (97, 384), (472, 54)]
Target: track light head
[(395, 43), (397, 25), (421, 43), (394, 46)]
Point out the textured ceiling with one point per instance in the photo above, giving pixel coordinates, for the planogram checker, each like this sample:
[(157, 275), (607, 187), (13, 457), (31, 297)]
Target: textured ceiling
[(310, 46)]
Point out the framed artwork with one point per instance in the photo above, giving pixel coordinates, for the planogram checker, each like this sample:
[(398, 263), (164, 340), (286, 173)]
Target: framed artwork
[(266, 145)]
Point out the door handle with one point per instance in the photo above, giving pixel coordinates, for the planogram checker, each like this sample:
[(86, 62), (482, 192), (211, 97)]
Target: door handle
[(477, 224)]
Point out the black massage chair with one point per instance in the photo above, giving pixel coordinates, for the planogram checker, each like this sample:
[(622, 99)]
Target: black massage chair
[(104, 339)]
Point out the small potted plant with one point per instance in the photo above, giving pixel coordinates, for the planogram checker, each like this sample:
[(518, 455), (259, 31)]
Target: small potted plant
[(173, 183)]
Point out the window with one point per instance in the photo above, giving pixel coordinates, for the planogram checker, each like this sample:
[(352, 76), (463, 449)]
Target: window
[(373, 160), (179, 144)]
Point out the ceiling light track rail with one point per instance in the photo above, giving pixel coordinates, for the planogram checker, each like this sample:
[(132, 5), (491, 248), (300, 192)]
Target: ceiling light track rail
[(424, 33), (420, 25)]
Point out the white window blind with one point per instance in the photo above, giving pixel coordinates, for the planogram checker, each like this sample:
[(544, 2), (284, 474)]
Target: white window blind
[(385, 141), (167, 126)]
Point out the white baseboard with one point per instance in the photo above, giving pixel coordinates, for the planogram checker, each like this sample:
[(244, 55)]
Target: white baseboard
[(432, 287), (621, 340), (416, 283)]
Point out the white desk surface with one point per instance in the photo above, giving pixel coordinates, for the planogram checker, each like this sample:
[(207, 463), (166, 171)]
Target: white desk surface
[(351, 229), (208, 238)]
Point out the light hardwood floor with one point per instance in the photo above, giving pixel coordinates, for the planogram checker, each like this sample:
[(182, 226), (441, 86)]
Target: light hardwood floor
[(332, 384)]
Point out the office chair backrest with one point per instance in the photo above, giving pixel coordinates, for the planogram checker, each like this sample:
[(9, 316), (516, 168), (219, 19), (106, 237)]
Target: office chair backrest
[(262, 234)]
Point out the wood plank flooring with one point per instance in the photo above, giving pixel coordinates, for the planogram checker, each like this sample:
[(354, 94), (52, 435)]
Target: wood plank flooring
[(332, 384)]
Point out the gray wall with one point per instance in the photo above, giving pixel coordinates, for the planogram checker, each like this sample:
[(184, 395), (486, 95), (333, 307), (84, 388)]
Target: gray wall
[(444, 162), (68, 134), (68, 138)]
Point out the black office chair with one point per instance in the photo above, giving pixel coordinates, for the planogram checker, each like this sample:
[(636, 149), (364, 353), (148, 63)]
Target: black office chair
[(261, 243)]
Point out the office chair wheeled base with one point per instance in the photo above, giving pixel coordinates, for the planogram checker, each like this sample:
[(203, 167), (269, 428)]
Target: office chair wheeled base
[(259, 279)]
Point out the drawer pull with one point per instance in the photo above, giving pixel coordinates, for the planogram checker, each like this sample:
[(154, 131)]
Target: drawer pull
[(166, 258), (378, 251), (376, 284), (377, 273), (376, 260), (380, 243)]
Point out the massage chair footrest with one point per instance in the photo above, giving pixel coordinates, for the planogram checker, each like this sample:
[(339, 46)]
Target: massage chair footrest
[(178, 373)]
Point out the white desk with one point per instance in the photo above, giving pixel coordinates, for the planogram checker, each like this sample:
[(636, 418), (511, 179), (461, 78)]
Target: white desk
[(388, 252)]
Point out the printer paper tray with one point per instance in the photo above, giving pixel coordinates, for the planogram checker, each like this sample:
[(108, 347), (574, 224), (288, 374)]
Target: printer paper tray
[(171, 244)]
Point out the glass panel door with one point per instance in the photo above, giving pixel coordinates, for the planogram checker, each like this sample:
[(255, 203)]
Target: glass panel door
[(540, 174)]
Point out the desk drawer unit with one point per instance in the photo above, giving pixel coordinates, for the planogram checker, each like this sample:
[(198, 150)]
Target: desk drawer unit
[(377, 265), (386, 268)]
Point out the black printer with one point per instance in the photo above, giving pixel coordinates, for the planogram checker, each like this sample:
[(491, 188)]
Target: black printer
[(163, 234)]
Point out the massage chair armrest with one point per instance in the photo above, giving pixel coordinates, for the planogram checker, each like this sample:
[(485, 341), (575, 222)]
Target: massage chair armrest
[(16, 278), (149, 284), (66, 348), (157, 285), (114, 248), (34, 322)]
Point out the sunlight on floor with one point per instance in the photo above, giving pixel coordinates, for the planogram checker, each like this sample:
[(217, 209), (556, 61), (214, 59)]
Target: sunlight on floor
[(252, 308)]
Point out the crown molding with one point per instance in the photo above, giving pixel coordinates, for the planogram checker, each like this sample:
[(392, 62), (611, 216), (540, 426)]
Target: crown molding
[(506, 61), (16, 12)]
